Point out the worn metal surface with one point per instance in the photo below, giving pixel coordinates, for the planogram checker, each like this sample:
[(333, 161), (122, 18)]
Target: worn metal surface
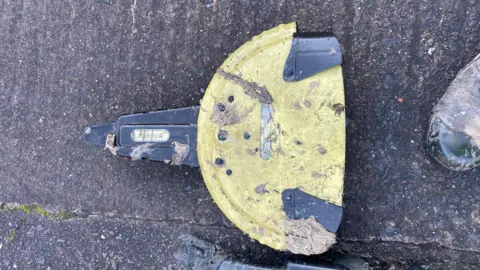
[(65, 65)]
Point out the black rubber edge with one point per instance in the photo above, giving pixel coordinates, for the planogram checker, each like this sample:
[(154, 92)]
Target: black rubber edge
[(298, 204), (311, 53)]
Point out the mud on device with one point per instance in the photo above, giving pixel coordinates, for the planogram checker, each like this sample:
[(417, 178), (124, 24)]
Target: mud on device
[(269, 138)]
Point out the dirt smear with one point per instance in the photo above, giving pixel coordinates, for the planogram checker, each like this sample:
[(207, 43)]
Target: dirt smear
[(307, 236), (229, 116), (338, 108), (252, 89), (321, 149), (181, 152), (317, 175), (261, 189), (307, 104), (139, 151), (110, 144), (311, 86), (212, 164), (297, 106)]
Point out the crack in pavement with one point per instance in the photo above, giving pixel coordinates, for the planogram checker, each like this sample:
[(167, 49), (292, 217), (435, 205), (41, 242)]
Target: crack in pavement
[(27, 209), (376, 240), (35, 208), (23, 220), (63, 215), (178, 221)]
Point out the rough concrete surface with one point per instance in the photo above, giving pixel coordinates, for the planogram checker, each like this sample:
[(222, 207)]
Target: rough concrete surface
[(68, 64)]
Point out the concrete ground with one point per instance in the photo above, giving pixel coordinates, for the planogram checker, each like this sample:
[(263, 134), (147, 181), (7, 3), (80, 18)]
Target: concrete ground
[(68, 64)]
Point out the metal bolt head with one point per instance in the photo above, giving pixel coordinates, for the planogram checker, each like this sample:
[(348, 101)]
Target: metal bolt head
[(222, 135), (219, 161)]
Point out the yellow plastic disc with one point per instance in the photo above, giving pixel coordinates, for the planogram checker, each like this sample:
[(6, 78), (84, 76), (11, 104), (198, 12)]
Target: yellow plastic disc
[(259, 135)]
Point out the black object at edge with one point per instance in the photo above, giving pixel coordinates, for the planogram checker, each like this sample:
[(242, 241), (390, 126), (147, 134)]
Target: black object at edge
[(180, 123), (301, 205), (310, 54)]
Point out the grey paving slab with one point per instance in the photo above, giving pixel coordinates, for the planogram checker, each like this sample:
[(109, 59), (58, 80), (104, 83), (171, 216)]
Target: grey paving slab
[(68, 64)]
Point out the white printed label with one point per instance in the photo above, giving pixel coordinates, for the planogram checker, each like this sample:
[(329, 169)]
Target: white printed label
[(150, 135)]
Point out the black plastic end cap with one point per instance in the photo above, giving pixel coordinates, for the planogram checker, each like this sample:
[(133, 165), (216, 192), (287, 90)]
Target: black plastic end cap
[(311, 53)]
